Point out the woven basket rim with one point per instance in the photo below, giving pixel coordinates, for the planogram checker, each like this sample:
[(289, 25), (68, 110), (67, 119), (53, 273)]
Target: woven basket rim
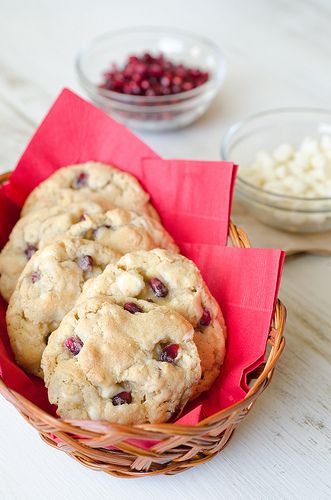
[(239, 239)]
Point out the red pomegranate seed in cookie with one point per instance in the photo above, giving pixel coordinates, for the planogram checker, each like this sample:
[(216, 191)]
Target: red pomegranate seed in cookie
[(205, 318), (132, 308), (159, 288), (29, 251), (35, 276), (81, 180), (169, 353), (85, 263), (74, 344), (122, 398)]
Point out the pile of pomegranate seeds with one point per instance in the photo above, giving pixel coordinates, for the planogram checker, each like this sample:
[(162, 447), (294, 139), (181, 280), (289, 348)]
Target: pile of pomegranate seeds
[(149, 75)]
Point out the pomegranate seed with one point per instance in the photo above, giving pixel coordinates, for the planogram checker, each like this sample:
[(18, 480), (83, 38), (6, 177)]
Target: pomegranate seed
[(165, 81), (147, 58), (29, 251), (159, 288), (187, 86), (85, 263), (150, 75), (165, 91), (205, 318), (74, 344), (181, 71), (155, 70), (122, 398), (169, 353), (81, 180), (35, 276), (177, 80), (132, 308), (133, 59), (145, 84), (175, 89), (136, 77)]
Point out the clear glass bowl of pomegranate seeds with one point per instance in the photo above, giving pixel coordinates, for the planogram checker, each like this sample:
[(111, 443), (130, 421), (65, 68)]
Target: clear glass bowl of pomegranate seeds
[(152, 78)]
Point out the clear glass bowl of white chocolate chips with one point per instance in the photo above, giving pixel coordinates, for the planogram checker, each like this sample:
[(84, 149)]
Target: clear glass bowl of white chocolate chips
[(284, 177)]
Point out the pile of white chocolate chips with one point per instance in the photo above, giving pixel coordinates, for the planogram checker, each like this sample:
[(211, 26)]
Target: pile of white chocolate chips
[(305, 172)]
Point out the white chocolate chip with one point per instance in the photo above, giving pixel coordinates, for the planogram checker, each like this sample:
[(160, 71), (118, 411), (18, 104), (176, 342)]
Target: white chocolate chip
[(130, 283), (265, 160), (283, 152), (310, 146), (303, 173), (301, 159), (318, 161), (281, 172), (325, 143)]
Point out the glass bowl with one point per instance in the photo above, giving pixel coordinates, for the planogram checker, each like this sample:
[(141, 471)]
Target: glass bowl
[(151, 112), (266, 131)]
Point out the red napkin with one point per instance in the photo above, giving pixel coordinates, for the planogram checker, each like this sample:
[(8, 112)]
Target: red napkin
[(194, 199), (9, 214), (75, 131), (245, 282)]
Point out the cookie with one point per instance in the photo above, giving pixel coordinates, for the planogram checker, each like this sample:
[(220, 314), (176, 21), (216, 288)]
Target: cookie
[(171, 280), (109, 362), (124, 231), (46, 290), (87, 181), (35, 230)]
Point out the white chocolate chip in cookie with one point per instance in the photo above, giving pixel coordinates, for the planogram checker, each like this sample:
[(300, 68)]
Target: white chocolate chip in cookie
[(130, 283)]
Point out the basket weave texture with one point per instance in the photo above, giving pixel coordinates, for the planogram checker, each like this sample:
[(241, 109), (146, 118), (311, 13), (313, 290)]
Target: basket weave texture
[(179, 448)]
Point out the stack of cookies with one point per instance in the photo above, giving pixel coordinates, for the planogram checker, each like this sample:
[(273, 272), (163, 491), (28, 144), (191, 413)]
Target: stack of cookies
[(120, 326)]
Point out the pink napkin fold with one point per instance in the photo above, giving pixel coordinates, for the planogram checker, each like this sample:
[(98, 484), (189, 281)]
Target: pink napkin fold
[(194, 199)]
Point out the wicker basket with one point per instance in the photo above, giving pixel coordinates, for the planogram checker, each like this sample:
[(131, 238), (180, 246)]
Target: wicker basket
[(179, 448)]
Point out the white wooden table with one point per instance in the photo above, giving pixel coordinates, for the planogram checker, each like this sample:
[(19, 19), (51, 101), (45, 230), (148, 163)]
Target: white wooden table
[(278, 54)]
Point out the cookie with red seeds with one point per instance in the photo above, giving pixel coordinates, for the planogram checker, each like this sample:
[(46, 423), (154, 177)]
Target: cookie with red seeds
[(124, 231), (93, 181), (46, 290), (121, 359), (37, 229), (168, 279)]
